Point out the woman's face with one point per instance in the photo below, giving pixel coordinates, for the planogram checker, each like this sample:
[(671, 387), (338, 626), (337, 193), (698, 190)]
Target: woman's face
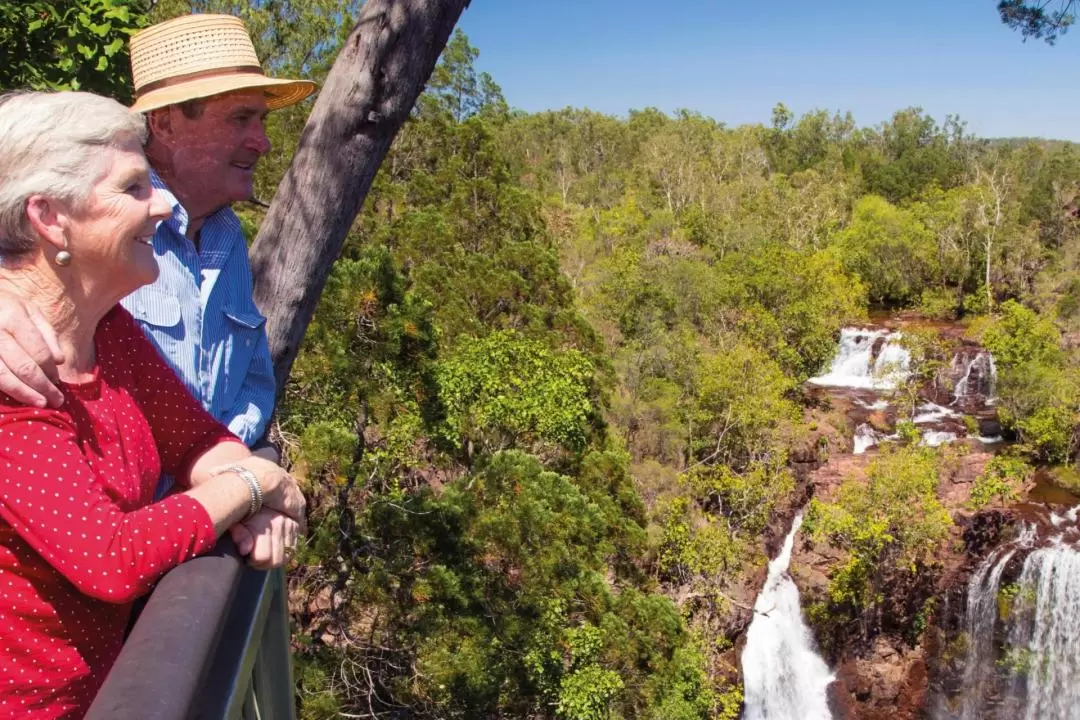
[(110, 237)]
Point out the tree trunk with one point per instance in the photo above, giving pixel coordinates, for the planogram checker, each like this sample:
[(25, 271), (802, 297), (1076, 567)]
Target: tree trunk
[(373, 85)]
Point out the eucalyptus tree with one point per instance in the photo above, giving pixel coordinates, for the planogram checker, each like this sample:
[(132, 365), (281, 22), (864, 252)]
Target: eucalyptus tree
[(1040, 19)]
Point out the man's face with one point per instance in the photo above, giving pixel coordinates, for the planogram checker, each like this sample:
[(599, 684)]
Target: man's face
[(214, 155)]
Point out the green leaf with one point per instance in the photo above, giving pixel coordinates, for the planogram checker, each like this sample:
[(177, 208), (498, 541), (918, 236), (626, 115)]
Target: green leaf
[(120, 13)]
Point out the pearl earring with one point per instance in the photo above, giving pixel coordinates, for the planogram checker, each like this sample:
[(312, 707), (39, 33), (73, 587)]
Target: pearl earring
[(63, 258)]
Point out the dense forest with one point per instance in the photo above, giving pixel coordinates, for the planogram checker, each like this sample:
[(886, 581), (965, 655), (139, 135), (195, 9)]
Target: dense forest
[(552, 394), (549, 399)]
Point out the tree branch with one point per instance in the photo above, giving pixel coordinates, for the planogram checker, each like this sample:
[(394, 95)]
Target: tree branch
[(368, 94)]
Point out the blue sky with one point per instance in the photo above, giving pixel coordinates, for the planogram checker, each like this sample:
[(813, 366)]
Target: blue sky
[(735, 60)]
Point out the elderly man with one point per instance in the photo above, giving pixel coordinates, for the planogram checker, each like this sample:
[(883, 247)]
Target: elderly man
[(199, 81)]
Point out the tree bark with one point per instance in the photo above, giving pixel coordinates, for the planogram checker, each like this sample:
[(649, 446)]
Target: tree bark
[(369, 92)]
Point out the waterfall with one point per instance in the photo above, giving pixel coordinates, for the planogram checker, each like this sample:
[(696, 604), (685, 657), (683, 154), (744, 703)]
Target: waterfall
[(1044, 667), (1030, 668), (975, 375), (866, 437), (979, 621), (784, 678), (867, 359)]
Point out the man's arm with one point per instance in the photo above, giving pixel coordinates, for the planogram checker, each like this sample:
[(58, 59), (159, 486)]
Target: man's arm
[(249, 416), (29, 354)]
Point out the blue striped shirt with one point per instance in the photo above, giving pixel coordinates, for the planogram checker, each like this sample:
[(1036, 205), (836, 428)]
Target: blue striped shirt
[(200, 316)]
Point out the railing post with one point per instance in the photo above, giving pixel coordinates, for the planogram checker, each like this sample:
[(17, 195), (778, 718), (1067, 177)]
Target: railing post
[(212, 643), (252, 668), (272, 684), (164, 663)]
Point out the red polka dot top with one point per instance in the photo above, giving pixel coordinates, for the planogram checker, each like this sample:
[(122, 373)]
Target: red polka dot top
[(79, 537)]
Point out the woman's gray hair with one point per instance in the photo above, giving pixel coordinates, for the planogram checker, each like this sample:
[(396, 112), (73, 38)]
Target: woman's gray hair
[(52, 144)]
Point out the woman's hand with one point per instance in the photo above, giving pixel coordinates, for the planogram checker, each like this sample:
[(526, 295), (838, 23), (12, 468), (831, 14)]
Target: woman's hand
[(267, 538), (279, 488), (226, 496)]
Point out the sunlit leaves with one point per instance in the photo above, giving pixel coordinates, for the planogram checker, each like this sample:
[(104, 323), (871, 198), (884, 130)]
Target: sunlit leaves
[(68, 44)]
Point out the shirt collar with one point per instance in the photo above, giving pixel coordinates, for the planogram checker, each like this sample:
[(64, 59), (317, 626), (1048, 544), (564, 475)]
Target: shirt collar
[(179, 219)]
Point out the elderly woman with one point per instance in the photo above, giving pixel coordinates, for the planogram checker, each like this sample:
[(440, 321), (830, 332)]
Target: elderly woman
[(79, 537)]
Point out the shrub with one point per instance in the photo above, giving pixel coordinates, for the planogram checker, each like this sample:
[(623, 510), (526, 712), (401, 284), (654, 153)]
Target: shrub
[(1001, 480)]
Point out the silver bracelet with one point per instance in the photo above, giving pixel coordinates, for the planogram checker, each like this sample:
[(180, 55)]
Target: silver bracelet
[(253, 485)]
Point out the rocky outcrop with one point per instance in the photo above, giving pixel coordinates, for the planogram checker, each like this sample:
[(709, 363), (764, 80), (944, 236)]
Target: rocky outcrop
[(885, 673), (893, 660), (889, 683)]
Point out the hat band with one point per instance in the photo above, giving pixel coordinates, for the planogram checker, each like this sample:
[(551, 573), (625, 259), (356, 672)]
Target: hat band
[(188, 77)]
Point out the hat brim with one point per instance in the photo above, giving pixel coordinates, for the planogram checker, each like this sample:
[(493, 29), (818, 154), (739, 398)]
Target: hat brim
[(279, 93)]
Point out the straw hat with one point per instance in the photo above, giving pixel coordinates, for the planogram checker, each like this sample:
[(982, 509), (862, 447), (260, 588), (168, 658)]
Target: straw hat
[(197, 56)]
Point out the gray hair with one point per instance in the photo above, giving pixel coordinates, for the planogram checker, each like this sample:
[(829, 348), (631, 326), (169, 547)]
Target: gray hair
[(52, 144)]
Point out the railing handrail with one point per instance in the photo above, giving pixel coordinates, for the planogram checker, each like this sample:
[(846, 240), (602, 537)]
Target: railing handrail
[(251, 675), (163, 666)]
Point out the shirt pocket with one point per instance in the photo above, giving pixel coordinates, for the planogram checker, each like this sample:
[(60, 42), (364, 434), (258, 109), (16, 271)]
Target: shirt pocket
[(245, 331)]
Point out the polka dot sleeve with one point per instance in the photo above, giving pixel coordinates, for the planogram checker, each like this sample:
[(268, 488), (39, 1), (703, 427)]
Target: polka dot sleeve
[(182, 429), (51, 496)]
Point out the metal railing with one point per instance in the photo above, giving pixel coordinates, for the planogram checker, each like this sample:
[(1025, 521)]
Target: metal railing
[(212, 643)]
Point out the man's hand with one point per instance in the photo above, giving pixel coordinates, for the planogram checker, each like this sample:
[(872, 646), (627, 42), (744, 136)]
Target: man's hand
[(267, 538), (29, 354)]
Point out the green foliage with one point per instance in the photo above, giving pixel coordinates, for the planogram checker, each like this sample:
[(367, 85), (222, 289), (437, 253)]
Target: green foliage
[(1019, 336), (793, 303), (586, 693), (1037, 19), (556, 377), (1050, 432), (69, 44), (1015, 598), (915, 154), (505, 390), (495, 593), (368, 357), (457, 89), (890, 526), (938, 304), (1037, 387), (908, 433), (1018, 661), (1002, 480), (928, 356), (742, 405), (692, 545), (923, 619), (889, 249)]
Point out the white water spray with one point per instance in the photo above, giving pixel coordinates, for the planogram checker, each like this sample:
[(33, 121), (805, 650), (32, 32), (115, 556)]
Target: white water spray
[(1044, 637), (784, 678), (1035, 673), (856, 366)]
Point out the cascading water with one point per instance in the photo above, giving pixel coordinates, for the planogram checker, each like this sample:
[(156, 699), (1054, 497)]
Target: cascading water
[(784, 678), (870, 363), (867, 359), (979, 620), (1023, 638), (1044, 677), (866, 437), (975, 375)]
